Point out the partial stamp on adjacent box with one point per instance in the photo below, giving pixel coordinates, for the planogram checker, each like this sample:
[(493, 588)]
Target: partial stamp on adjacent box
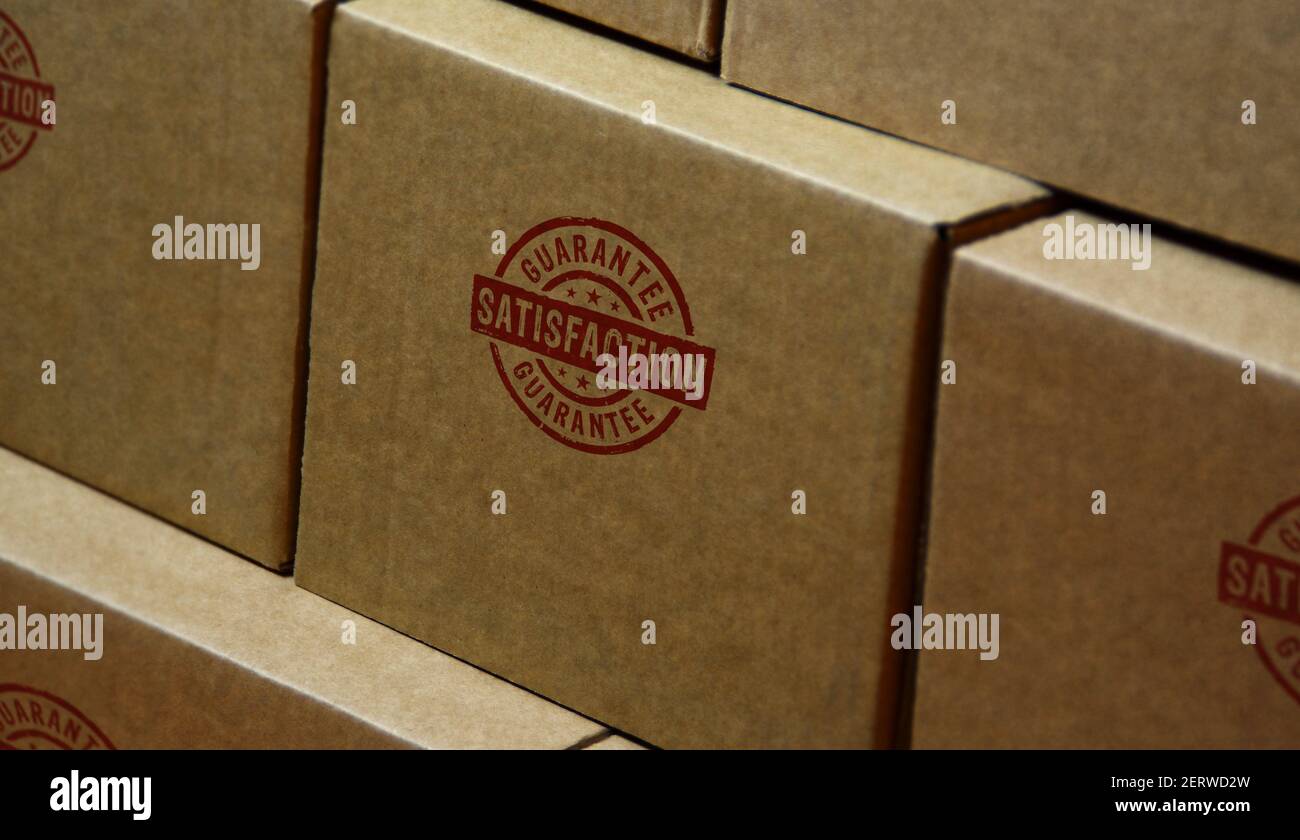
[(23, 95), (1261, 577)]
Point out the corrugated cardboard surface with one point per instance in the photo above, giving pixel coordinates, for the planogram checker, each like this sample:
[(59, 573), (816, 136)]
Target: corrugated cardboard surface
[(1081, 376), (203, 649), (173, 376), (693, 27), (1135, 104), (770, 626)]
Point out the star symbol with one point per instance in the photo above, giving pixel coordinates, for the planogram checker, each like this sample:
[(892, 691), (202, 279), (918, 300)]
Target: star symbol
[(582, 382), (571, 292), (562, 372), (592, 297), (613, 306)]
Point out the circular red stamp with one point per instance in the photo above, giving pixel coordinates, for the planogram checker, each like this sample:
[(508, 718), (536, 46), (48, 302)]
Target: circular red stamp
[(1262, 578), (592, 336), (31, 719), (23, 94)]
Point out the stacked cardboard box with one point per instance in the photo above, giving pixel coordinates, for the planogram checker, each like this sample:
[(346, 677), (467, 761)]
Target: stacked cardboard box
[(1113, 469), (1173, 391), (135, 634), (1187, 112), (143, 349), (644, 559)]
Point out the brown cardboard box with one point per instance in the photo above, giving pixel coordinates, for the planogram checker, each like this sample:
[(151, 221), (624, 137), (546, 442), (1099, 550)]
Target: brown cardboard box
[(198, 648), (693, 27), (1121, 629), (168, 376), (769, 626), (1136, 104)]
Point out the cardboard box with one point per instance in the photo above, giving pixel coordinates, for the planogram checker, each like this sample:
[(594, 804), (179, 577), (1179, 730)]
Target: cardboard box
[(769, 627), (197, 648), (693, 27), (149, 377), (1122, 629), (1139, 105)]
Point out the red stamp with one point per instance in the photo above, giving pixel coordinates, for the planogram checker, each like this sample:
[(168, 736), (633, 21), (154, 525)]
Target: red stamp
[(1262, 578), (572, 301), (31, 719), (22, 94)]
